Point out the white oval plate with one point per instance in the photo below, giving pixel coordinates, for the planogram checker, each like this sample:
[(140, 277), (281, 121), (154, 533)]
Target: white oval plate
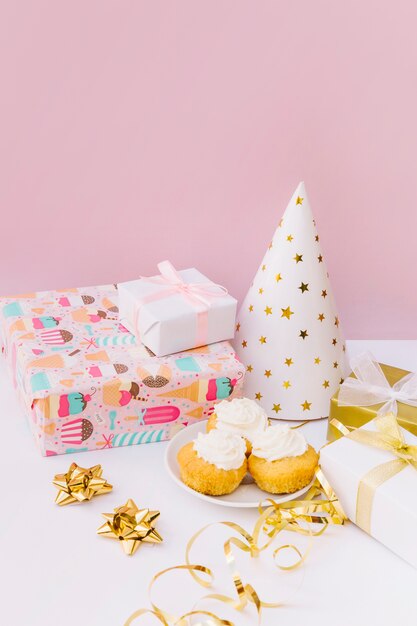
[(247, 494)]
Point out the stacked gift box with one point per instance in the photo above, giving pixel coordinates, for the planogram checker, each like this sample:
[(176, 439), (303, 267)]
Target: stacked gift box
[(87, 383)]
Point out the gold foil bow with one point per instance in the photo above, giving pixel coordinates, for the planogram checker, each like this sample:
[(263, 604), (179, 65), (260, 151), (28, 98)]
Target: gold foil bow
[(80, 484), (319, 505), (131, 526), (388, 436)]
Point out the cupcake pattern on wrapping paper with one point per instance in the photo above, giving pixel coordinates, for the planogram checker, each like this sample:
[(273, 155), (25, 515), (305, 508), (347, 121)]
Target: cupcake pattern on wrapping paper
[(88, 385)]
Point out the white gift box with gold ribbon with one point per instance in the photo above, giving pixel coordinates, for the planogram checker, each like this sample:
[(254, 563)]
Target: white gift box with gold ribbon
[(373, 471)]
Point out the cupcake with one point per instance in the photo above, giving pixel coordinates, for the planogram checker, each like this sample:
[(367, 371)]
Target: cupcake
[(214, 463), (239, 416), (281, 460)]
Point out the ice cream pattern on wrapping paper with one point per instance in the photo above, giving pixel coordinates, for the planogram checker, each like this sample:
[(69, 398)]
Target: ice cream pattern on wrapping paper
[(164, 416), (76, 431), (155, 375), (90, 315), (120, 392), (204, 390), (51, 361), (149, 416), (35, 323), (115, 440), (75, 300), (59, 361), (45, 322), (56, 337), (288, 333), (107, 370), (59, 406), (103, 367)]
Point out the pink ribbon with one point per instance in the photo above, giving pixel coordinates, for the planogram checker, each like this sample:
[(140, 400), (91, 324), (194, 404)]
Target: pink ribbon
[(199, 295), (107, 443), (91, 343)]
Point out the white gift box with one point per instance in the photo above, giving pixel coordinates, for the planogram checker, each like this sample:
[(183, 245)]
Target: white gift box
[(176, 311), (393, 519)]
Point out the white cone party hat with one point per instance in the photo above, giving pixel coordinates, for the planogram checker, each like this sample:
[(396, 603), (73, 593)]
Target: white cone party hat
[(287, 331)]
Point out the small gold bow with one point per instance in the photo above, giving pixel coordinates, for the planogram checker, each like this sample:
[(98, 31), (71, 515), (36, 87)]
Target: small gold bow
[(388, 436), (131, 526), (79, 484)]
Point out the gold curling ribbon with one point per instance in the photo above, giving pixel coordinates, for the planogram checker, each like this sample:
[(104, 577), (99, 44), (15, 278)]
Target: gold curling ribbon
[(388, 436), (318, 506)]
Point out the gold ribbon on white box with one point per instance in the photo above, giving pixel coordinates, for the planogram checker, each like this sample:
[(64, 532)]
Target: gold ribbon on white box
[(387, 436)]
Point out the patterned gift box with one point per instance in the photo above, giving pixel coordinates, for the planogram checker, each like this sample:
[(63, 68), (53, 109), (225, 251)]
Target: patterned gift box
[(88, 385)]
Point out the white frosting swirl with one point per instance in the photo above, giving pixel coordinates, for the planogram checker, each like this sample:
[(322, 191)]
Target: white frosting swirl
[(278, 442), (241, 416), (224, 450)]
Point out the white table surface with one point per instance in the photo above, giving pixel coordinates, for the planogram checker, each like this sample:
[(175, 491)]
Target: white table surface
[(55, 570)]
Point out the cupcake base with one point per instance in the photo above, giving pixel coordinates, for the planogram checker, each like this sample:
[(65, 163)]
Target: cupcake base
[(284, 475), (205, 477)]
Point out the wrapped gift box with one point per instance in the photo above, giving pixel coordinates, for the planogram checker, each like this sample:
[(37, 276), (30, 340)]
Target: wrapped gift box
[(177, 311), (357, 416), (87, 384), (393, 510)]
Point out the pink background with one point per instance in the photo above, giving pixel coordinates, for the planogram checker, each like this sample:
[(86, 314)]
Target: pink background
[(136, 131)]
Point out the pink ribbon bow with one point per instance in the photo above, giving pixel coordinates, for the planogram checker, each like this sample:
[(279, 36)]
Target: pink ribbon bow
[(199, 295)]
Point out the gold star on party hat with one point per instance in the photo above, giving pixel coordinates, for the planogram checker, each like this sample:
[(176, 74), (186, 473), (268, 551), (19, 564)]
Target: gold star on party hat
[(80, 484), (288, 321), (287, 313), (131, 526)]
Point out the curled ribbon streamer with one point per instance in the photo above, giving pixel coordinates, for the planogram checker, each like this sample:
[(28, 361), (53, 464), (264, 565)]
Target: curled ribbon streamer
[(388, 436), (371, 387), (199, 295), (319, 506)]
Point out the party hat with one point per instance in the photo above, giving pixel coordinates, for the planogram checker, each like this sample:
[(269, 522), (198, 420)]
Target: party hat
[(288, 333)]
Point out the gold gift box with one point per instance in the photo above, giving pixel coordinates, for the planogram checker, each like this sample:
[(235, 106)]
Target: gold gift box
[(357, 416)]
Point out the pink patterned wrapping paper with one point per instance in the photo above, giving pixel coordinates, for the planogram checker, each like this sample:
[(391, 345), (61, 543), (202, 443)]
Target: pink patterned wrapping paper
[(87, 384)]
